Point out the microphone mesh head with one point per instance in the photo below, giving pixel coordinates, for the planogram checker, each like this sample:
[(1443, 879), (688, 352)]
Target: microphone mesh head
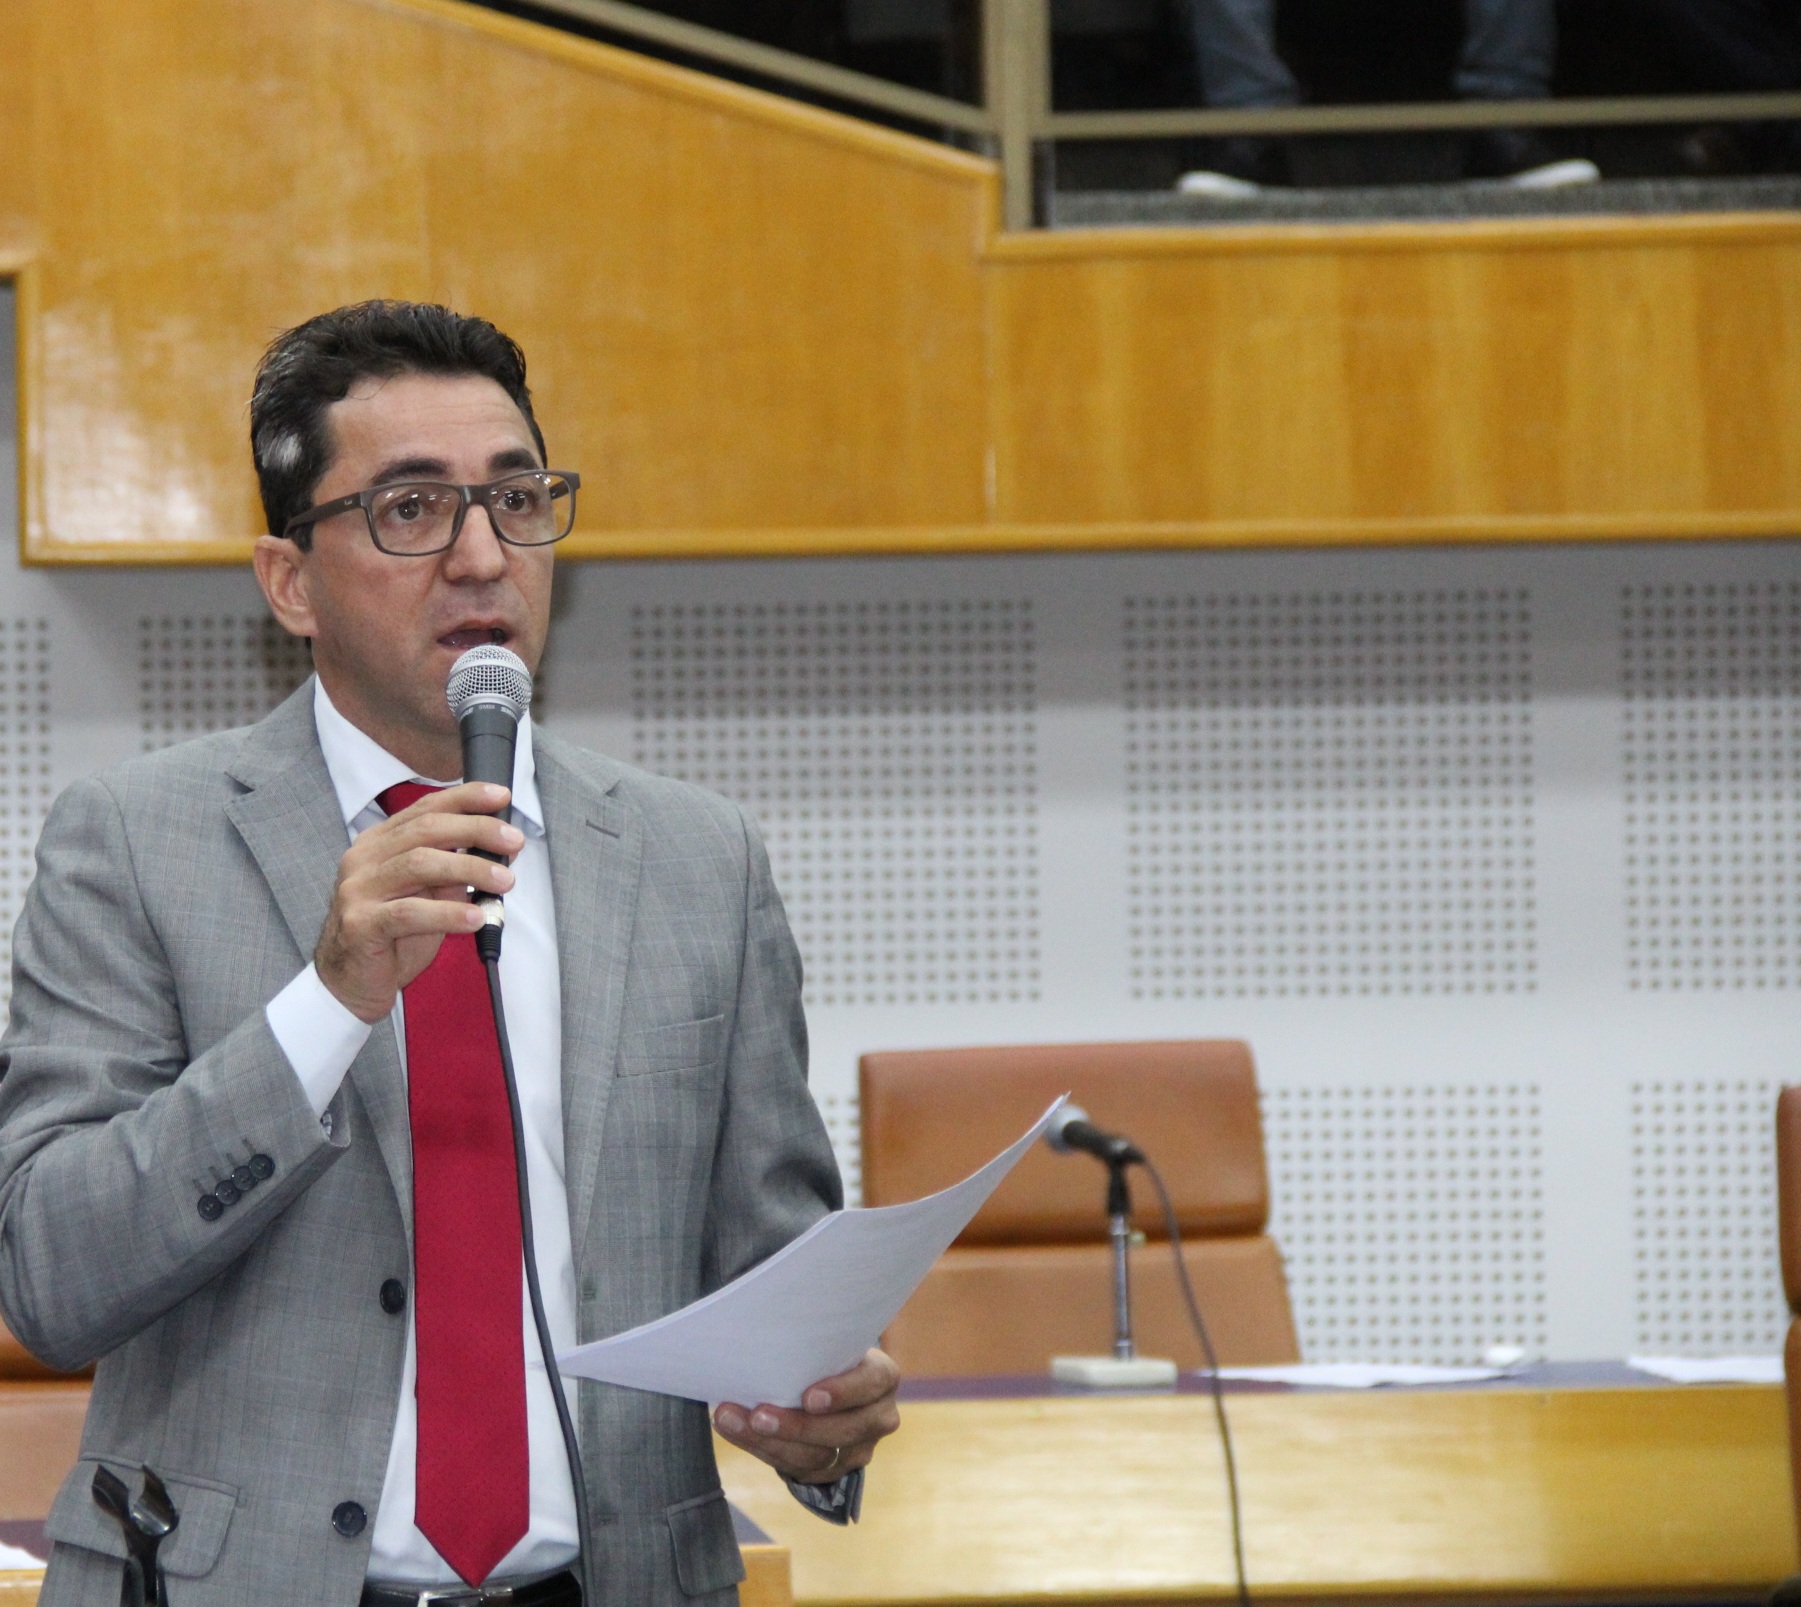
[(1053, 1134), (489, 675)]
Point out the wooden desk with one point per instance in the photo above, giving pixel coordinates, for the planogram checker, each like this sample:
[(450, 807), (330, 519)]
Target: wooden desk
[(765, 1582), (1489, 1493)]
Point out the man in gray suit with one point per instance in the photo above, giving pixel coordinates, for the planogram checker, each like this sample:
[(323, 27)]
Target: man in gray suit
[(216, 1118)]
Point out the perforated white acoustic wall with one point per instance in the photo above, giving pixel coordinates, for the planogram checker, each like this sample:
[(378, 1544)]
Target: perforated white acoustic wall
[(1705, 1255), (210, 672), (25, 775), (1711, 715), (889, 754), (1411, 1218), (1329, 793), (843, 1125)]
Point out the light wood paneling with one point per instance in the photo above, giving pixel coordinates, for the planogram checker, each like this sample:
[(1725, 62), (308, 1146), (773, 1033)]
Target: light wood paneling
[(1526, 1494), (1432, 382), (760, 328), (740, 312)]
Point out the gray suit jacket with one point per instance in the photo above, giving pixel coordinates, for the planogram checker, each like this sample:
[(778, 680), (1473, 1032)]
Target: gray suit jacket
[(248, 1359)]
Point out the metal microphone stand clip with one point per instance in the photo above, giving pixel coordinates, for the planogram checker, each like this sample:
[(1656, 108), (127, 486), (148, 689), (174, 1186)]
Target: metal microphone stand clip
[(145, 1524), (1119, 1230), (1125, 1368)]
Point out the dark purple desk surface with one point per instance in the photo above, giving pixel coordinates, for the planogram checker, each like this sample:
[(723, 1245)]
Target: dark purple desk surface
[(26, 1532), (1536, 1375)]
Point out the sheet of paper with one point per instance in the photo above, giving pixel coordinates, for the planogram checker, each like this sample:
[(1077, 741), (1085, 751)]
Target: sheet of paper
[(18, 1557), (1711, 1369), (1361, 1375), (809, 1311)]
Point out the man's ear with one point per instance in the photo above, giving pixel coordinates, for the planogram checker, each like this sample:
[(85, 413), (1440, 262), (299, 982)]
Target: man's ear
[(280, 571)]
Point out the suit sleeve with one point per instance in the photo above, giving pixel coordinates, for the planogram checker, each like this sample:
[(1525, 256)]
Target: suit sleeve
[(111, 1136), (775, 1174)]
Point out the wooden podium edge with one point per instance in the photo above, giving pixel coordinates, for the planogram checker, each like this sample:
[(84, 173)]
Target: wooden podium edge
[(768, 1578)]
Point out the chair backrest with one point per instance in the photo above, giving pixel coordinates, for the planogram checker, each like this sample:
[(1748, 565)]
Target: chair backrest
[(1788, 1192), (1788, 1230), (930, 1117)]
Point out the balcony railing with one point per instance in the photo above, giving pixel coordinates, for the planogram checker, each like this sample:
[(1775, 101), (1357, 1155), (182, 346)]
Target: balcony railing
[(1016, 117)]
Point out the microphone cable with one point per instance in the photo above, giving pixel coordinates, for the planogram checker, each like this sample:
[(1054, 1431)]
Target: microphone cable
[(1199, 1324), (487, 945)]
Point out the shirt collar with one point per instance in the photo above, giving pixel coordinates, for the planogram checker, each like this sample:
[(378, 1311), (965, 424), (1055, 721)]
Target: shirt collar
[(362, 769)]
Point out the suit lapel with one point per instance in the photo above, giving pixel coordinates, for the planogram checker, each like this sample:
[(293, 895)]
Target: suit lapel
[(289, 819), (596, 853)]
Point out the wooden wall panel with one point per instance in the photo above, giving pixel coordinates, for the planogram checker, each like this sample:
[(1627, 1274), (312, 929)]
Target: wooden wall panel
[(740, 312), (1624, 377), (760, 328)]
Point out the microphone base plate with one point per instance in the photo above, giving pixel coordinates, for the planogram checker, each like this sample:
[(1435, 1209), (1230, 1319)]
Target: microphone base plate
[(1114, 1372)]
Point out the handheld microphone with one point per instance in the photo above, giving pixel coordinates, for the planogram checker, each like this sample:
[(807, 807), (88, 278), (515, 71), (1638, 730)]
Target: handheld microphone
[(489, 691), (1071, 1130)]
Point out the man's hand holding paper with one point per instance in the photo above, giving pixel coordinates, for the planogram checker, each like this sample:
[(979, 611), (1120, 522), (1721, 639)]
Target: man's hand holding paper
[(832, 1432)]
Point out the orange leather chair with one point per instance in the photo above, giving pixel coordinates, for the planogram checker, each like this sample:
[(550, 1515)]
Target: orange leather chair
[(1788, 1217), (1031, 1276)]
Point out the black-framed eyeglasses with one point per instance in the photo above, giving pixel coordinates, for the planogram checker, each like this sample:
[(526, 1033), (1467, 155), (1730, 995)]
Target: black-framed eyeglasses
[(416, 518)]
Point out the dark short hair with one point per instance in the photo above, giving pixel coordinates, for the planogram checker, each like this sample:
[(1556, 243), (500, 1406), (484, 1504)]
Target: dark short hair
[(314, 364)]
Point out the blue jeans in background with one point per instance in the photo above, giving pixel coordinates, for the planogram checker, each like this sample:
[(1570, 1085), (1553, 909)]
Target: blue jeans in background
[(1509, 49)]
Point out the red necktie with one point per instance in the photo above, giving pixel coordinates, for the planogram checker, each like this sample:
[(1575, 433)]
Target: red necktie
[(474, 1476)]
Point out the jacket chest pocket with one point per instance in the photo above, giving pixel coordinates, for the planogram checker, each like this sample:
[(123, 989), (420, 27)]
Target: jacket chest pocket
[(673, 1046)]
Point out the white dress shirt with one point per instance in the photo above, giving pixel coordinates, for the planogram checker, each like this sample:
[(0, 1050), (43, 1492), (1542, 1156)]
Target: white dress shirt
[(321, 1037)]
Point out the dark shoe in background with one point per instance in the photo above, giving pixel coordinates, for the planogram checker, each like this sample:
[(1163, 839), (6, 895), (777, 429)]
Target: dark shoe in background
[(1524, 157)]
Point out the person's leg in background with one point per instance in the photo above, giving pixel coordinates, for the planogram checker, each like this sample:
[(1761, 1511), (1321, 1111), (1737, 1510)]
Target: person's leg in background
[(1510, 53), (1509, 50), (1235, 51), (1235, 57)]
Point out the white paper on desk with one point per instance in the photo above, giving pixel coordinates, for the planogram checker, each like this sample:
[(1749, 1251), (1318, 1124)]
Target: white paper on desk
[(809, 1311), (1710, 1369), (18, 1557), (1360, 1374)]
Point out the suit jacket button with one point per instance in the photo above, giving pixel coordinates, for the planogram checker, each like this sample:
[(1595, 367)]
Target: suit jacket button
[(210, 1206), (262, 1168), (348, 1518), (393, 1297), (245, 1179), (226, 1191)]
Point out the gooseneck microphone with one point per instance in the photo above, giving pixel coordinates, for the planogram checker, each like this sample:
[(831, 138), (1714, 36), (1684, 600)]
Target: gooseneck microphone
[(489, 691), (1070, 1130)]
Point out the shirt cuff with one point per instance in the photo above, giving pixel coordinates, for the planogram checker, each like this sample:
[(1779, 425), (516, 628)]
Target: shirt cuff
[(838, 1502), (319, 1035)]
